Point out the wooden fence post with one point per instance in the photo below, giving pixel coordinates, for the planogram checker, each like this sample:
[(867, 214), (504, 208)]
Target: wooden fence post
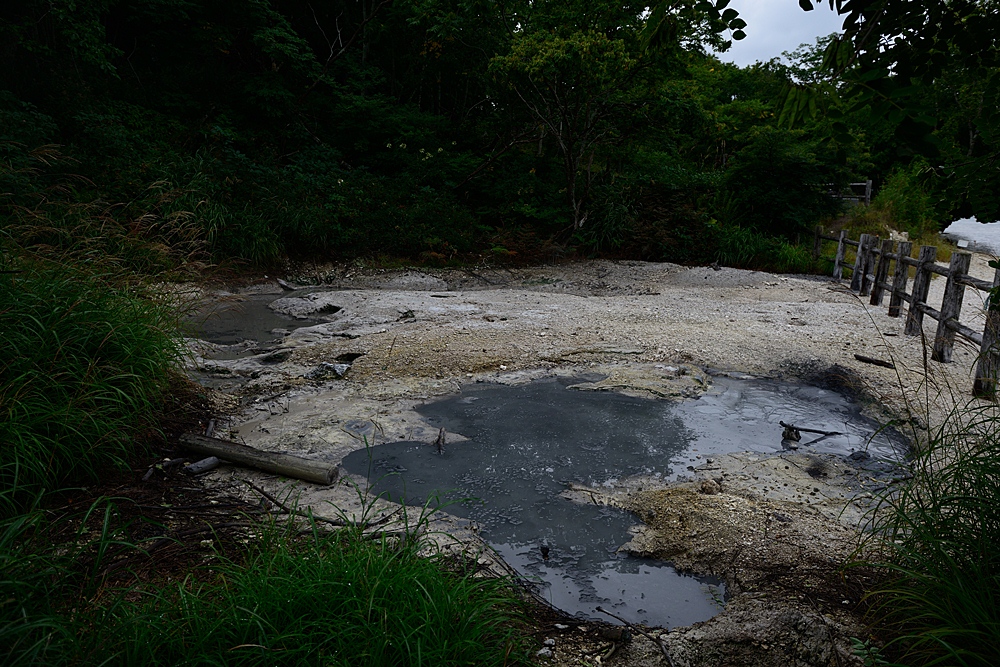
[(859, 263), (900, 278), (951, 306), (988, 367), (868, 266), (882, 272), (921, 284), (817, 241), (838, 260)]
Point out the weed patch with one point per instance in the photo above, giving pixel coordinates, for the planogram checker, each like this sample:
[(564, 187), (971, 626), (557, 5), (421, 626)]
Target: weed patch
[(937, 543), (82, 369)]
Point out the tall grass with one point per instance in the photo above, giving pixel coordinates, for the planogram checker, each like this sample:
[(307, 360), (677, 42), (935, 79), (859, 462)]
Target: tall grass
[(936, 540), (343, 598), (48, 211), (746, 248), (82, 367), (30, 631), (340, 599)]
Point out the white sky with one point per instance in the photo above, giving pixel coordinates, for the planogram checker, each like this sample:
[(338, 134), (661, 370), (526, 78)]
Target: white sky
[(775, 26)]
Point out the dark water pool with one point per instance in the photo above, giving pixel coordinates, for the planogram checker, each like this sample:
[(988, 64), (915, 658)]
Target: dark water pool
[(243, 319), (527, 443)]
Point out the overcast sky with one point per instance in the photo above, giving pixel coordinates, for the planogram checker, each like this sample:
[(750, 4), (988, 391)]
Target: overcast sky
[(775, 26)]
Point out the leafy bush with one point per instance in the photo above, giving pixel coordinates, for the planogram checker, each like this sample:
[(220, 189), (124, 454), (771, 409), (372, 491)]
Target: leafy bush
[(936, 539), (81, 369), (323, 599), (341, 599), (776, 186), (907, 202), (749, 249)]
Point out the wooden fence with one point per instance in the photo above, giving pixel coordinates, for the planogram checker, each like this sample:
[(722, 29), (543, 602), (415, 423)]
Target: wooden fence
[(876, 260)]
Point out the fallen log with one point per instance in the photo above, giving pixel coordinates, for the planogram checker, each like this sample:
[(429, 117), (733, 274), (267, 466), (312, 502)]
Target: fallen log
[(317, 472)]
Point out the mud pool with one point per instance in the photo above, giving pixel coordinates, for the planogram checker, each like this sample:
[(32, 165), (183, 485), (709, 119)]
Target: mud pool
[(512, 450), (243, 322)]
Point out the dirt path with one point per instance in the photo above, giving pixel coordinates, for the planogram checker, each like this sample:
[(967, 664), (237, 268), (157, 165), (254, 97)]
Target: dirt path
[(401, 337)]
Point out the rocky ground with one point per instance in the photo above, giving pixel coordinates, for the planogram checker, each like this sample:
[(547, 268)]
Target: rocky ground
[(774, 527)]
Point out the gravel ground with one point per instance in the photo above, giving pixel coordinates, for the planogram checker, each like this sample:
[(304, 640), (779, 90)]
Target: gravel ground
[(410, 335)]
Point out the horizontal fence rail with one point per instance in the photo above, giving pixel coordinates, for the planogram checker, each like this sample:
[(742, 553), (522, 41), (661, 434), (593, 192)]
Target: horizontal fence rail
[(875, 260)]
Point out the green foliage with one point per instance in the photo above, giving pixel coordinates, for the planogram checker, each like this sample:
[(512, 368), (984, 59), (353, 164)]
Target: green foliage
[(936, 539), (931, 75), (908, 201), (252, 131), (81, 369), (776, 185), (31, 632), (575, 86), (749, 249), (344, 598)]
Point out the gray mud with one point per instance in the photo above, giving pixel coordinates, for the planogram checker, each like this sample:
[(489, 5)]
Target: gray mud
[(239, 322), (516, 450)]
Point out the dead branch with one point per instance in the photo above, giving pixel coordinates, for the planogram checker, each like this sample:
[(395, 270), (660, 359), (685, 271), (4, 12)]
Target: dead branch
[(634, 628), (809, 430), (876, 362)]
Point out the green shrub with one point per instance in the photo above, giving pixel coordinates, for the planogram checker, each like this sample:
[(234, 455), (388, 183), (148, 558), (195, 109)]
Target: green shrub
[(907, 203), (81, 368), (936, 540), (341, 599), (776, 185), (749, 249)]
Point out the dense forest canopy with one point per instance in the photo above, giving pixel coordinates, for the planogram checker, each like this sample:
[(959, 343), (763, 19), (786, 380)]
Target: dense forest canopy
[(441, 129)]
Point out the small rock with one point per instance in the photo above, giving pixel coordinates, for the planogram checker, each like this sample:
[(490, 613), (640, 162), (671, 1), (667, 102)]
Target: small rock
[(549, 642), (544, 653), (326, 371), (561, 626), (710, 487), (859, 456)]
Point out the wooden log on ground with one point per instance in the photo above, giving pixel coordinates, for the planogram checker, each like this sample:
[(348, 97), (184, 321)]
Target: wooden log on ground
[(900, 278), (951, 307), (882, 272), (985, 385), (921, 285), (317, 472), (203, 466)]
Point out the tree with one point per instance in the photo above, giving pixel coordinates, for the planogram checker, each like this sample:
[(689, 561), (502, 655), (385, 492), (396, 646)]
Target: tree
[(908, 63), (573, 86)]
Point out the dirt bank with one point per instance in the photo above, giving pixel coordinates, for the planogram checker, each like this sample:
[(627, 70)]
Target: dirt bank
[(388, 340)]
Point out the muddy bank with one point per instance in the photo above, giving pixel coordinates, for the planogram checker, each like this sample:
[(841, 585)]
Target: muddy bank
[(354, 358)]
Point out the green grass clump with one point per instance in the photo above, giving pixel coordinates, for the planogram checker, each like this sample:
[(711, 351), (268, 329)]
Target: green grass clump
[(937, 541), (339, 599), (82, 367), (746, 248), (31, 632)]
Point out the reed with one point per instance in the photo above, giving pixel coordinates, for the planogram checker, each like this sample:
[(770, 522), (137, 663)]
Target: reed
[(82, 369)]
